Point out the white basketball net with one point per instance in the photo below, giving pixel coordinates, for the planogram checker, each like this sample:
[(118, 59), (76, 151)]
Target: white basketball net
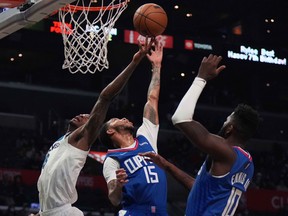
[(86, 34)]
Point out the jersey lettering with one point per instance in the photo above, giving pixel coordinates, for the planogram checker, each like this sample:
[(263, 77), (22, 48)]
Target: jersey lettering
[(246, 184), (241, 178), (238, 178), (232, 202), (54, 146), (135, 163)]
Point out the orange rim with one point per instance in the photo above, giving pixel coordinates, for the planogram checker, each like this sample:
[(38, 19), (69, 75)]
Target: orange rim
[(75, 8)]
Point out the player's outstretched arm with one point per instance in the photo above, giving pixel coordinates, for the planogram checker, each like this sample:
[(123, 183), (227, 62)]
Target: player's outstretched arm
[(182, 177), (87, 134), (183, 116), (151, 107)]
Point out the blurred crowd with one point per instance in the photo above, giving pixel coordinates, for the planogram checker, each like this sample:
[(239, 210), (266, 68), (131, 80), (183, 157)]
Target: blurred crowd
[(24, 149)]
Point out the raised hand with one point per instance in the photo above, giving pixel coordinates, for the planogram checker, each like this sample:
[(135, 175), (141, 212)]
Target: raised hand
[(209, 67), (155, 55), (144, 48)]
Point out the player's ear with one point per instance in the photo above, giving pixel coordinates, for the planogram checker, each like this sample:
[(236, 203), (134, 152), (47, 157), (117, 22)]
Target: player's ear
[(229, 130), (110, 131)]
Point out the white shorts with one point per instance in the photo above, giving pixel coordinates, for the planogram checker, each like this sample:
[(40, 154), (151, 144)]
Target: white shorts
[(66, 210)]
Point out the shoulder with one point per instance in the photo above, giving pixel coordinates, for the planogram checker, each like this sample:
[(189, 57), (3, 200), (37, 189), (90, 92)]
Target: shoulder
[(243, 153), (110, 161), (141, 138), (109, 167), (57, 143), (149, 123), (148, 129)]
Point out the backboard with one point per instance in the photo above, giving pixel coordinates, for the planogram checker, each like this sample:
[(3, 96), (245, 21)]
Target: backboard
[(85, 35), (18, 14)]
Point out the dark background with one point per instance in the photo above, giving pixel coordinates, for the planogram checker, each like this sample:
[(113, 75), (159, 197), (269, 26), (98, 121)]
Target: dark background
[(261, 85), (37, 95)]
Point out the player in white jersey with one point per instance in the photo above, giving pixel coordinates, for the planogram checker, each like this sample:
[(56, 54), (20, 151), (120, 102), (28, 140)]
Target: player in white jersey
[(228, 169), (67, 156)]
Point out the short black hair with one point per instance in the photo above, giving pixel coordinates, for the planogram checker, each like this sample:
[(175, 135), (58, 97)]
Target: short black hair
[(246, 121), (104, 136)]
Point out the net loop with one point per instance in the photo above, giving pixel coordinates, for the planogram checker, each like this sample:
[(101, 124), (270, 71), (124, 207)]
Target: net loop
[(86, 31)]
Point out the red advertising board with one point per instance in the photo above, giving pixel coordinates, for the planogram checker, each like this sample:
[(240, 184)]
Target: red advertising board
[(30, 177), (132, 37), (266, 200), (189, 44), (98, 156)]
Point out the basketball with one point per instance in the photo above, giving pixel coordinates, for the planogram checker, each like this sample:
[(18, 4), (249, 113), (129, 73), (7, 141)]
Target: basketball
[(150, 20)]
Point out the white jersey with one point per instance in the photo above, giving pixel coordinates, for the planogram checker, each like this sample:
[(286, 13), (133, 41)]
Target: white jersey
[(60, 171)]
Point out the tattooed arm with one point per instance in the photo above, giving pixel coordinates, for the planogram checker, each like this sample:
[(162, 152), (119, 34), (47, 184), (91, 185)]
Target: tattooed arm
[(151, 106)]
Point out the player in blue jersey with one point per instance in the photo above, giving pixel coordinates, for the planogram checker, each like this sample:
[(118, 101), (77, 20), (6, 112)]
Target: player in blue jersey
[(228, 169), (67, 156), (139, 185)]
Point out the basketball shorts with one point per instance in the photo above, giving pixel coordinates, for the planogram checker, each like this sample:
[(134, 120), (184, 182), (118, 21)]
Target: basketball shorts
[(66, 210)]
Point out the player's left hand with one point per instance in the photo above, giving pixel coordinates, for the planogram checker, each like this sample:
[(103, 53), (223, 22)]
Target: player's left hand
[(156, 158), (209, 68), (155, 55)]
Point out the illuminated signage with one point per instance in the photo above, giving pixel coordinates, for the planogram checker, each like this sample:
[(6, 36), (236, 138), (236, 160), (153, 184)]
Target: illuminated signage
[(191, 45), (96, 29), (257, 55), (132, 37), (59, 28), (203, 46)]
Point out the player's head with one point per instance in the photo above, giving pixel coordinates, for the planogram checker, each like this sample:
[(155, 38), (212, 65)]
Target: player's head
[(114, 127), (77, 122), (242, 123)]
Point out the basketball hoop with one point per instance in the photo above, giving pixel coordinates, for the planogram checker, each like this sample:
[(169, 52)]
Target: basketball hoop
[(86, 31)]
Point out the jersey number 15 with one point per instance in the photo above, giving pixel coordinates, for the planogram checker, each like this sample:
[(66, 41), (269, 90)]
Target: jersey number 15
[(151, 176)]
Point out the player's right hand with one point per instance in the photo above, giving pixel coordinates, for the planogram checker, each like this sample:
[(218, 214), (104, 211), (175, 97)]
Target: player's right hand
[(144, 48), (121, 176)]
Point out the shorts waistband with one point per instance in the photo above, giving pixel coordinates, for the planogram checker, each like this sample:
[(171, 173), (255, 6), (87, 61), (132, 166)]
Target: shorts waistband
[(146, 208), (54, 211)]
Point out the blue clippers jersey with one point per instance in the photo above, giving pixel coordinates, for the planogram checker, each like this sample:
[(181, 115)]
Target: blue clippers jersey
[(220, 195), (147, 184)]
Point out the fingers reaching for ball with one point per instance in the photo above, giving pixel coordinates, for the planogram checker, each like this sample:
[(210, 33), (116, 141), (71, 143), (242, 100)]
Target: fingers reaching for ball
[(156, 54)]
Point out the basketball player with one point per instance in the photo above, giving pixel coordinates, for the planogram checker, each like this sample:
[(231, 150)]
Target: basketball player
[(140, 186), (67, 156), (228, 169)]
